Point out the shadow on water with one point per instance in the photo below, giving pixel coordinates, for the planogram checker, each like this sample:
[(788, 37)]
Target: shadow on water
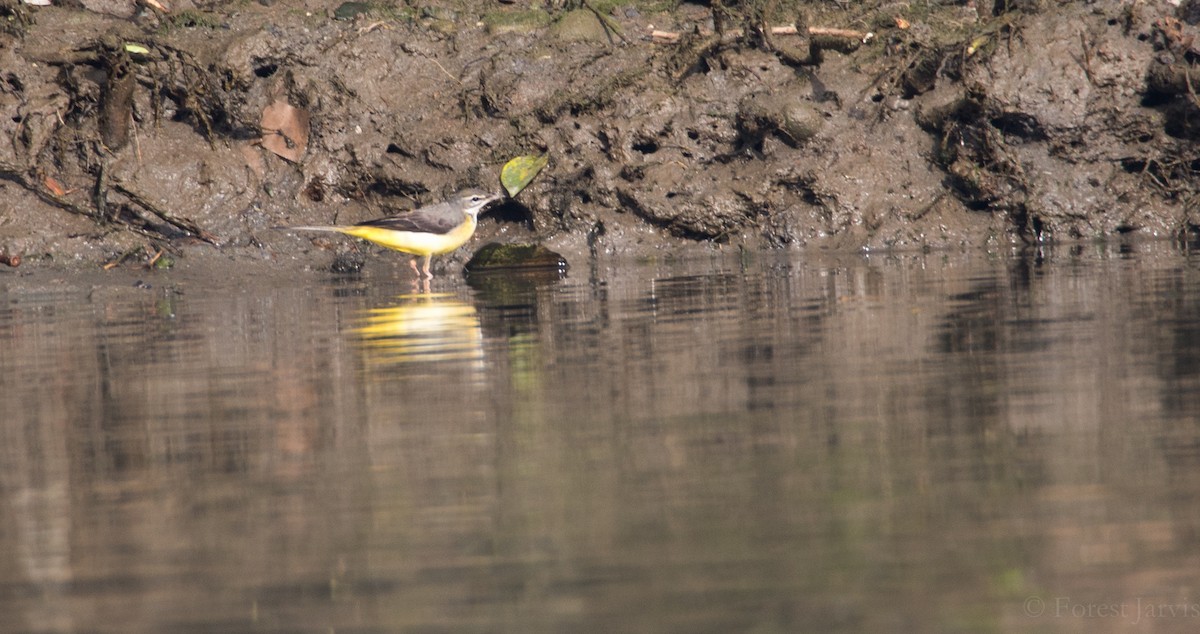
[(922, 442)]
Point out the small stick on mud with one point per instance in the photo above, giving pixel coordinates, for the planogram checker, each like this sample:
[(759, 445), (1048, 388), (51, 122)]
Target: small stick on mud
[(100, 190), (1146, 171), (108, 266), (10, 260), (848, 34), (443, 69), (609, 23), (1087, 58), (373, 27), (863, 37), (137, 144), (183, 224), (35, 186), (21, 177)]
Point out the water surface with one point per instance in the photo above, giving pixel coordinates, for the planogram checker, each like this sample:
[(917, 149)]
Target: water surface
[(713, 443)]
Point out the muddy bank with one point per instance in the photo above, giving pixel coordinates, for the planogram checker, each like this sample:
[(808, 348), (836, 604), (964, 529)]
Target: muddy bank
[(132, 131)]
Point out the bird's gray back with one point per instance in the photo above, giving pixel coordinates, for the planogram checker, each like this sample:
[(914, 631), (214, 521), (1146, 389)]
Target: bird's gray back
[(434, 218)]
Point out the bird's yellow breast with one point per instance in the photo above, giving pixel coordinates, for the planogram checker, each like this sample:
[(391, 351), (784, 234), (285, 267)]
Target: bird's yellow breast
[(423, 244)]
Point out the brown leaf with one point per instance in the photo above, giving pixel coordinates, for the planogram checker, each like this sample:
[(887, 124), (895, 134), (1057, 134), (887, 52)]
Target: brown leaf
[(285, 129), (54, 186)]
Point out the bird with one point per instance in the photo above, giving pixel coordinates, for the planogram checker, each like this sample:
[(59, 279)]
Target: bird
[(423, 232)]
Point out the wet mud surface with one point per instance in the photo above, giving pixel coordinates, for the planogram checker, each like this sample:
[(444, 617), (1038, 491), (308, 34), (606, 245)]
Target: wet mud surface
[(130, 132)]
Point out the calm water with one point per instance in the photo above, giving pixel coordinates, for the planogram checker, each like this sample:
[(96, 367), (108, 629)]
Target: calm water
[(772, 443)]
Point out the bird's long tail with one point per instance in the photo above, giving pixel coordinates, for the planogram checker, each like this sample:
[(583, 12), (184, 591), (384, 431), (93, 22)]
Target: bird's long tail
[(315, 228)]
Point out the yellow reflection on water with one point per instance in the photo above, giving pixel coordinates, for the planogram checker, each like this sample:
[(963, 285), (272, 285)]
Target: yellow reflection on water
[(422, 327)]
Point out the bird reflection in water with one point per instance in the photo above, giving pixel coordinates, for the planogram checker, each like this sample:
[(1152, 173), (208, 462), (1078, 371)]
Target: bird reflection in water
[(426, 327)]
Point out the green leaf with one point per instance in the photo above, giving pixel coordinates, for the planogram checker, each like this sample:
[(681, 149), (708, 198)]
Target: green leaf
[(519, 172)]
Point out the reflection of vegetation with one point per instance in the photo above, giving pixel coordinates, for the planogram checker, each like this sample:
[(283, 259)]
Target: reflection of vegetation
[(797, 450)]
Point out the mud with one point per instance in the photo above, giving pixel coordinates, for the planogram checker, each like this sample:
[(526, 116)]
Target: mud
[(130, 132)]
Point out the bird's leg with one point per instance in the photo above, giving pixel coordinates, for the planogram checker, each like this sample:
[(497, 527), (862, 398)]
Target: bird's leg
[(413, 264), (428, 259)]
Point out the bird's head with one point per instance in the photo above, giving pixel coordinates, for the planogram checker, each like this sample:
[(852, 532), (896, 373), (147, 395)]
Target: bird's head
[(474, 201)]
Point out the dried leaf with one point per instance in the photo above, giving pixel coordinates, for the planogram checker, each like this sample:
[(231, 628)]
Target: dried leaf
[(519, 172), (285, 129), (54, 186)]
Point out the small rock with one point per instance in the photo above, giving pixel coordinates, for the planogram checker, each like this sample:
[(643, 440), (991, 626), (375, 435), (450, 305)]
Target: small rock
[(350, 10), (782, 114), (523, 257), (347, 263), (500, 22), (580, 25)]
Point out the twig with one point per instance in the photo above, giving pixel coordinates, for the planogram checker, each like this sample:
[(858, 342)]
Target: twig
[(20, 177), (1087, 59), (374, 26), (108, 266), (788, 29), (443, 69), (1146, 171), (849, 34), (100, 191), (609, 24), (1187, 79), (137, 144), (183, 224)]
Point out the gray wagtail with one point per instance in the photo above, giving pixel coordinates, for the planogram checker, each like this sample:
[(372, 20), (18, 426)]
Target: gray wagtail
[(426, 231)]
